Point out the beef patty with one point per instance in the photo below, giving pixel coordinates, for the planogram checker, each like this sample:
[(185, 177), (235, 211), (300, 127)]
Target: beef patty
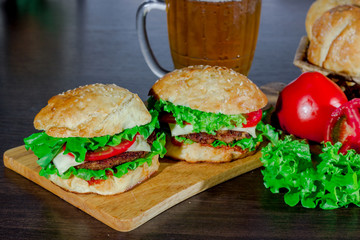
[(226, 136), (118, 159)]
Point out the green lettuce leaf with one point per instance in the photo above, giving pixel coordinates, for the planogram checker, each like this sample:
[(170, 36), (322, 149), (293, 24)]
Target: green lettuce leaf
[(245, 143), (183, 140), (330, 182), (201, 121), (46, 147), (158, 147)]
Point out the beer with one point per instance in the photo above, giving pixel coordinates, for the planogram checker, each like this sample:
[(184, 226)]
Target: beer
[(222, 33)]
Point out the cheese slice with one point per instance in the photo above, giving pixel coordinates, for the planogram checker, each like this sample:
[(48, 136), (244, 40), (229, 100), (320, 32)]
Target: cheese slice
[(64, 162), (140, 144), (177, 130)]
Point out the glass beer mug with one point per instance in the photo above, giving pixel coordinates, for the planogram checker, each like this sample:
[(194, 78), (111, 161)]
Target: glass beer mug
[(205, 32)]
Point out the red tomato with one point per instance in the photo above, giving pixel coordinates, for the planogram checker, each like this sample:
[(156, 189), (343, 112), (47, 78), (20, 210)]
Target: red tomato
[(107, 151), (253, 118), (305, 105)]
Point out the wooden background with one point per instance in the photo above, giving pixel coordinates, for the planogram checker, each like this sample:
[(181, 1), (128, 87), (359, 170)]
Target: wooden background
[(49, 46)]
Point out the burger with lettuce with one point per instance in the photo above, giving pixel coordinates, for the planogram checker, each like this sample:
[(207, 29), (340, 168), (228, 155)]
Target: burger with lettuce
[(210, 114), (97, 139)]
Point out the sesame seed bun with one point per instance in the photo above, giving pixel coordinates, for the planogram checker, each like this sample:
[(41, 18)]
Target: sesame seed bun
[(210, 89), (92, 111), (196, 153)]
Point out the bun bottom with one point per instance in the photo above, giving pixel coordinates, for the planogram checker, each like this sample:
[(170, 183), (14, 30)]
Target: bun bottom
[(112, 185), (196, 152)]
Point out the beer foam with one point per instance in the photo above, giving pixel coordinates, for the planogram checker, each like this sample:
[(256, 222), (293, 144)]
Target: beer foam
[(217, 0)]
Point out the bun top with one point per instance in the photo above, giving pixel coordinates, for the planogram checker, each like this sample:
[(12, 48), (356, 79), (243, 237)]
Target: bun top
[(92, 111), (210, 89), (336, 39), (319, 7)]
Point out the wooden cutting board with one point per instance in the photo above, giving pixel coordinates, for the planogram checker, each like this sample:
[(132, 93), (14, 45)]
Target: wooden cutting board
[(173, 183)]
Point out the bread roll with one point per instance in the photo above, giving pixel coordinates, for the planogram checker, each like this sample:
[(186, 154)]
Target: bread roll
[(92, 111), (195, 153), (336, 39), (319, 7), (210, 89)]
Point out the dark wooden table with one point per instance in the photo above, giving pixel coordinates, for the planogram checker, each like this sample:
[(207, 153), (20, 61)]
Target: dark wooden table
[(50, 46)]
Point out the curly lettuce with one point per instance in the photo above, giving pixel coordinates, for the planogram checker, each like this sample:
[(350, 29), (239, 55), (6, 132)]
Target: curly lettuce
[(201, 121), (330, 182)]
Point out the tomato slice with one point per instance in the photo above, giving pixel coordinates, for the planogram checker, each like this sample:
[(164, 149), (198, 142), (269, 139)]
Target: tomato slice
[(253, 118), (344, 126), (107, 151)]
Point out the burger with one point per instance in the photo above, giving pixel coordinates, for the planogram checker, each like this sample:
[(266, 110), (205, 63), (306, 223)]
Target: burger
[(98, 138), (210, 114)]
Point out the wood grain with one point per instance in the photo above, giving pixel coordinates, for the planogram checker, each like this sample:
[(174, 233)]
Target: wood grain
[(174, 182)]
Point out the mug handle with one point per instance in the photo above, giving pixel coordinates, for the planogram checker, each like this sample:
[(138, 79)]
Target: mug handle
[(148, 54)]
